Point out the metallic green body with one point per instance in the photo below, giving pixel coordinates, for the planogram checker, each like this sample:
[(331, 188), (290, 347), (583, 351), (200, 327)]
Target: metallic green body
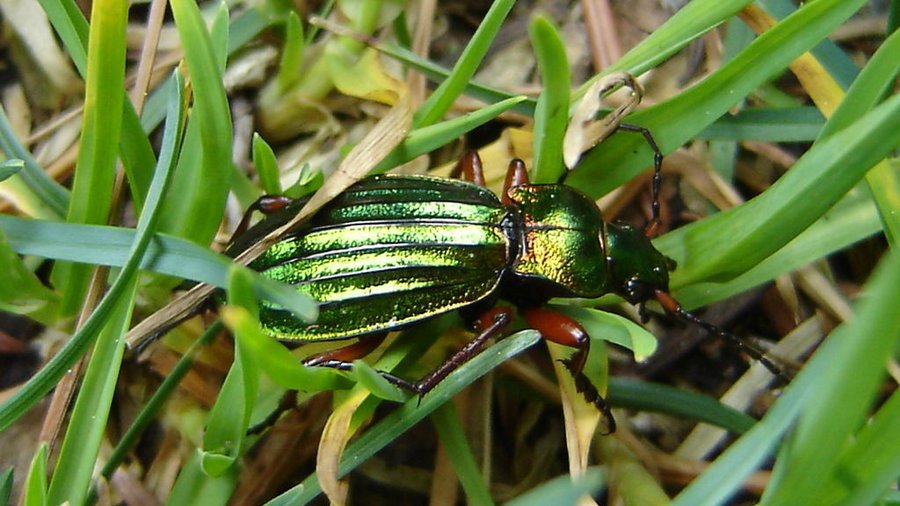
[(395, 250), (389, 252)]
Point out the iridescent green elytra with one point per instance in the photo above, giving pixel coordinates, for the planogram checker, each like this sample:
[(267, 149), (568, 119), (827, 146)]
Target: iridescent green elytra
[(395, 250)]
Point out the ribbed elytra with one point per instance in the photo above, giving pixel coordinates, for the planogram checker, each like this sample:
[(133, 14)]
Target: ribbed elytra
[(389, 252)]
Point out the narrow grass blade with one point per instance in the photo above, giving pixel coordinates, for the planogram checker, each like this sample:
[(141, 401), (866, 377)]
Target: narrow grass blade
[(49, 375), (195, 206), (450, 431), (562, 490), (848, 387), (35, 493), (49, 192), (675, 121), (100, 133), (765, 224), (87, 425), (381, 434), (443, 97), (552, 112)]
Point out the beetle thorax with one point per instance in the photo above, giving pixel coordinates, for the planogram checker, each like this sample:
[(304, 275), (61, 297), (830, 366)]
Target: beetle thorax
[(561, 244)]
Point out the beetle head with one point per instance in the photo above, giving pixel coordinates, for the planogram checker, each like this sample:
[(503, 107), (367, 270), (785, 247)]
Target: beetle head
[(637, 269)]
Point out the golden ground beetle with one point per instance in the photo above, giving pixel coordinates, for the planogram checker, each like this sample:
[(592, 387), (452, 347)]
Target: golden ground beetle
[(392, 251)]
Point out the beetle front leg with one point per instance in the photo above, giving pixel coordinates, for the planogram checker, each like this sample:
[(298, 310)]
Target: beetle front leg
[(561, 329), (490, 325)]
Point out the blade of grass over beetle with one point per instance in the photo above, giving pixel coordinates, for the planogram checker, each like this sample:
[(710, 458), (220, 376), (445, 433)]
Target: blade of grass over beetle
[(394, 424), (167, 255), (380, 141), (49, 375)]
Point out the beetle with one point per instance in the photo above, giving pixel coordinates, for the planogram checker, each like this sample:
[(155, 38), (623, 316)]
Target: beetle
[(394, 250)]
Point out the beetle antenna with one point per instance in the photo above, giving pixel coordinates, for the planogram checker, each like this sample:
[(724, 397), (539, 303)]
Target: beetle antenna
[(673, 307)]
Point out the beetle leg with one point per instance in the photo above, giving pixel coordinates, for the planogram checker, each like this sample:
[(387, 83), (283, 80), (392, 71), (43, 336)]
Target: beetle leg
[(469, 166), (267, 204), (516, 175), (343, 357), (652, 228), (490, 324), (561, 329)]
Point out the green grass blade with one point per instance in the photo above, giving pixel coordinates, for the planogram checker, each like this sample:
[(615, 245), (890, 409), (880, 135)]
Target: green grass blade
[(844, 392), (793, 124), (868, 467), (398, 422), (136, 152), (49, 375), (78, 454), (562, 490), (766, 223), (11, 167), (35, 493), (675, 121), (266, 166), (875, 80), (21, 291), (195, 206), (443, 97), (87, 425), (69, 22), (850, 221), (426, 139), (689, 23), (193, 486), (155, 403), (551, 116), (453, 437), (838, 359), (50, 193), (6, 483), (99, 245), (100, 133), (646, 396)]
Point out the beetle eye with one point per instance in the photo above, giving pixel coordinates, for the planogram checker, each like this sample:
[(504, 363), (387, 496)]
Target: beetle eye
[(635, 291)]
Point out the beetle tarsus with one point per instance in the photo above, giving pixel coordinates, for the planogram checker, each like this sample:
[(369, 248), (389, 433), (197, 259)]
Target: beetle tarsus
[(587, 389)]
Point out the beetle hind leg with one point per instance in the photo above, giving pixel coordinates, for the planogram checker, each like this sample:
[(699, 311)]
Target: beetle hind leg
[(342, 359), (561, 329)]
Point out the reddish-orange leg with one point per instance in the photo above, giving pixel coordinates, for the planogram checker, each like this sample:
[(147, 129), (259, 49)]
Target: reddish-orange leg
[(553, 326)]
